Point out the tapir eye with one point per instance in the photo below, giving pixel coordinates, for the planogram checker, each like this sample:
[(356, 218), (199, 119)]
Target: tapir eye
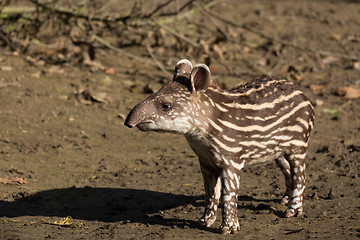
[(166, 106)]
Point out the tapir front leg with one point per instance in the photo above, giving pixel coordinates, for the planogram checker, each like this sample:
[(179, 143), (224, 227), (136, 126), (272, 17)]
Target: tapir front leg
[(212, 184)]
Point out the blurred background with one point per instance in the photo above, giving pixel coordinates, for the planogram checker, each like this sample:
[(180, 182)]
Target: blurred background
[(70, 70)]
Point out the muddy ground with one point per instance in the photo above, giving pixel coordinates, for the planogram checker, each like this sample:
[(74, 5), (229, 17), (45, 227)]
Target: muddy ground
[(64, 151)]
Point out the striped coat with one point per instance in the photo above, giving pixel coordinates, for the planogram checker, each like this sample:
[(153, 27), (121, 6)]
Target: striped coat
[(266, 119)]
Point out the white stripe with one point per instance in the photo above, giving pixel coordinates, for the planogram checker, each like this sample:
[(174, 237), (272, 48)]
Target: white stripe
[(228, 138), (237, 181), (261, 128), (227, 148), (263, 105), (232, 184), (257, 143), (238, 166), (247, 155), (217, 127), (248, 92), (282, 137), (257, 118), (303, 122), (295, 128), (226, 185), (301, 156), (229, 173), (294, 142), (221, 108), (209, 99)]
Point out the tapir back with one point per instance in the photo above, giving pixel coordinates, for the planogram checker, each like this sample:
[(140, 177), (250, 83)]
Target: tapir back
[(263, 117)]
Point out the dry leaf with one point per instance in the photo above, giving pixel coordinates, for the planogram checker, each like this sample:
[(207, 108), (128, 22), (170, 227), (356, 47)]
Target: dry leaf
[(348, 92), (110, 71), (335, 36), (97, 65), (297, 77), (262, 62), (100, 97), (356, 65), (329, 59), (65, 222), (85, 97), (15, 180), (219, 51), (317, 88)]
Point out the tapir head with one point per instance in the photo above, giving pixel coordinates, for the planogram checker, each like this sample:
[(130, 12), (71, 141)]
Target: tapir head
[(173, 108)]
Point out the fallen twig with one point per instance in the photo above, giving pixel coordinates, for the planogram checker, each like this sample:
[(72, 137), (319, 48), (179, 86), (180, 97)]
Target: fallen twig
[(15, 221), (178, 10), (157, 63), (8, 41), (11, 10), (4, 85), (159, 7), (166, 28)]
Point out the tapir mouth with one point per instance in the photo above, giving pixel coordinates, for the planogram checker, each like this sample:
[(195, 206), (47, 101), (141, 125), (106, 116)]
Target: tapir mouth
[(144, 126)]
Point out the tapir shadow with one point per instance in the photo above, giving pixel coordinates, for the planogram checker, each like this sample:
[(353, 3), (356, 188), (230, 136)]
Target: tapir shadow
[(107, 205), (100, 204), (253, 204)]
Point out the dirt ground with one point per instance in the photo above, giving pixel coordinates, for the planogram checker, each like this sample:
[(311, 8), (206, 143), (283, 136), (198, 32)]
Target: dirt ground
[(69, 169)]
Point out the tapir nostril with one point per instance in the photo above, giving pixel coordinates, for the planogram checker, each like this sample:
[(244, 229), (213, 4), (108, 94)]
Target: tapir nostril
[(128, 124)]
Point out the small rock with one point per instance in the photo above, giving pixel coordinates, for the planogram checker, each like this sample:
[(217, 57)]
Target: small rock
[(315, 196), (36, 74), (55, 70), (6, 68), (319, 102), (356, 65), (121, 116), (330, 194)]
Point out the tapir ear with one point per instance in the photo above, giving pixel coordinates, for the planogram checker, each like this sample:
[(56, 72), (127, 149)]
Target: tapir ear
[(183, 69), (200, 77), (182, 73)]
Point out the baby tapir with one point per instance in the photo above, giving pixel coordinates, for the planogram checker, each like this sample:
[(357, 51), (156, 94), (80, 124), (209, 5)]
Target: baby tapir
[(262, 120)]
